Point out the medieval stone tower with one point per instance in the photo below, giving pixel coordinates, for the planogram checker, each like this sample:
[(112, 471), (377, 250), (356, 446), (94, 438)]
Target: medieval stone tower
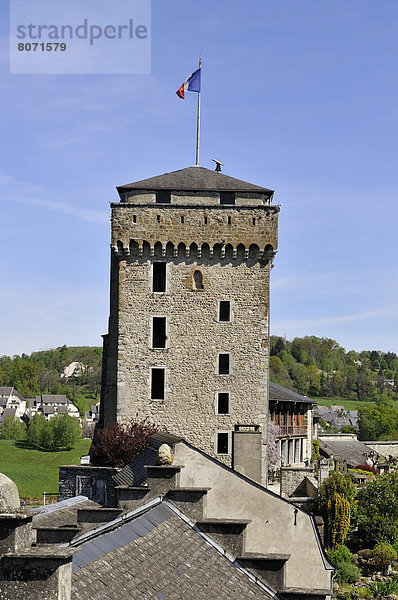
[(188, 329)]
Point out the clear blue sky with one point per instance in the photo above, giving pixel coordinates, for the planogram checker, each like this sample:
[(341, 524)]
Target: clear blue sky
[(298, 96)]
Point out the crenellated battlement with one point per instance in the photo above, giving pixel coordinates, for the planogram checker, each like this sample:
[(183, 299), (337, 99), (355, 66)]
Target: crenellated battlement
[(202, 226)]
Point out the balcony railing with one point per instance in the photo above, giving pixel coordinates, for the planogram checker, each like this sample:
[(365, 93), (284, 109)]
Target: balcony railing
[(292, 430)]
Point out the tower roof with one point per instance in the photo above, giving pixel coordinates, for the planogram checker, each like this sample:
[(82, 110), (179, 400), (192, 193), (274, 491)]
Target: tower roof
[(195, 179)]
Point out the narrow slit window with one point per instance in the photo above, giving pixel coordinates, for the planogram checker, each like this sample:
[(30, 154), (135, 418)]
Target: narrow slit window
[(157, 384), (159, 277), (229, 220), (225, 310), (163, 197), (134, 218), (159, 332), (223, 403), (198, 280), (157, 218), (227, 197), (205, 220), (223, 364), (222, 442), (254, 221)]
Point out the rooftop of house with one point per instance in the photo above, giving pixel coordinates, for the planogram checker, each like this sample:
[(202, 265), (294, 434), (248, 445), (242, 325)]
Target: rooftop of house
[(194, 179), (173, 537), (353, 451), (157, 554), (54, 399), (277, 393), (5, 391)]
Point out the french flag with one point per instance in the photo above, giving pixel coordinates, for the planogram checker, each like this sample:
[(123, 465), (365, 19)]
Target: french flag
[(191, 84)]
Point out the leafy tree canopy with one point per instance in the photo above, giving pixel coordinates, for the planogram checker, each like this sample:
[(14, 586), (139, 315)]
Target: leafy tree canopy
[(12, 429), (378, 510)]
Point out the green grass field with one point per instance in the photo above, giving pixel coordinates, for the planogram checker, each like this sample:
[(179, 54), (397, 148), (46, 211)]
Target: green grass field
[(34, 471), (349, 404)]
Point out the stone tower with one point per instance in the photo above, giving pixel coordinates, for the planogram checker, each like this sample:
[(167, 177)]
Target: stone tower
[(189, 304)]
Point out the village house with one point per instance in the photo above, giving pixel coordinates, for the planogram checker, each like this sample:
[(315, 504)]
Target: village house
[(11, 403), (292, 413), (50, 405)]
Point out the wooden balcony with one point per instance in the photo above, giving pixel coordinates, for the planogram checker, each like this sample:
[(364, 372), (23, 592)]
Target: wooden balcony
[(293, 430)]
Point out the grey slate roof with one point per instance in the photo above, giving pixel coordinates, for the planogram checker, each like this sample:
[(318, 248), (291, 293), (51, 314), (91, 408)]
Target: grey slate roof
[(5, 391), (156, 556), (9, 412), (353, 451), (277, 393), (194, 178), (55, 398), (61, 514)]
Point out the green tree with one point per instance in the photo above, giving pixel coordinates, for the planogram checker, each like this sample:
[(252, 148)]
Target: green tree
[(383, 556), (67, 431), (12, 429), (338, 519), (376, 422), (314, 380), (335, 490), (35, 429), (60, 432), (277, 345), (378, 510)]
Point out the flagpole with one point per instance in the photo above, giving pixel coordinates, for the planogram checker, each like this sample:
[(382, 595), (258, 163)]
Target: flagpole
[(198, 122)]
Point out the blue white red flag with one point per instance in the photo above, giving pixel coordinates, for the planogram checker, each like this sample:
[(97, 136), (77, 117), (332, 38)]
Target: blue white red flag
[(191, 84)]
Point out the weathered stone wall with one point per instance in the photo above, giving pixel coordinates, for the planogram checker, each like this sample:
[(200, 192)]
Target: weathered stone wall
[(195, 198), (35, 578), (94, 482), (201, 225), (195, 337), (292, 477), (384, 448)]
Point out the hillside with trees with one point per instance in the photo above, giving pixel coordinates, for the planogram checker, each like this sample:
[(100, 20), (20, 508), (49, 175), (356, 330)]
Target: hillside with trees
[(43, 373), (312, 366), (322, 369)]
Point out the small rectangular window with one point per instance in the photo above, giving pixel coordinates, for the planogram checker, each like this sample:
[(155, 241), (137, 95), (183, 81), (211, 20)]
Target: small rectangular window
[(223, 364), (159, 277), (225, 310), (134, 218), (223, 403), (163, 197), (227, 197), (157, 384), (159, 332), (222, 442)]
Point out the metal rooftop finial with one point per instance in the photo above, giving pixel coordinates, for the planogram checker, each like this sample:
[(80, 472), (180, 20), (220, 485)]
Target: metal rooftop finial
[(219, 164)]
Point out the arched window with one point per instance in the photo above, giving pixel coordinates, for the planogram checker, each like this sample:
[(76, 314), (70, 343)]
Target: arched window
[(198, 280)]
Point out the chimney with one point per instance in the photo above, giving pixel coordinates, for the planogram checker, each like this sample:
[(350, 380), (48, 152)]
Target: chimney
[(246, 451)]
